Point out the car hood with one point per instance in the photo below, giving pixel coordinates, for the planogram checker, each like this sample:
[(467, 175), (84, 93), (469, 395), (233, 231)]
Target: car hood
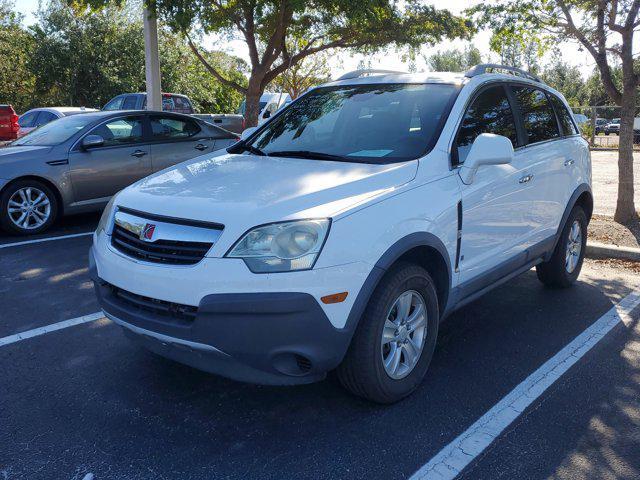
[(248, 190)]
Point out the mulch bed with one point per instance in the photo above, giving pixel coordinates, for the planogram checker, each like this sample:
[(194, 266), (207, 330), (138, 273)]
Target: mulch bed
[(603, 229)]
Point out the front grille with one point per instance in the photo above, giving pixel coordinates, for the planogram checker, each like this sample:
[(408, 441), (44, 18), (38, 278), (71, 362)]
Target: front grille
[(161, 251), (169, 310)]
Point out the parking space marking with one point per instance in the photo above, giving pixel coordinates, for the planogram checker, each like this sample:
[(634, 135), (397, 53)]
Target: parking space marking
[(50, 328), (47, 239), (453, 458)]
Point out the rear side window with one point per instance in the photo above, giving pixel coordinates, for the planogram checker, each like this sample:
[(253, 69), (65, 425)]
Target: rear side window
[(538, 117), (129, 102), (564, 116), (44, 118), (490, 112), (172, 128), (115, 104)]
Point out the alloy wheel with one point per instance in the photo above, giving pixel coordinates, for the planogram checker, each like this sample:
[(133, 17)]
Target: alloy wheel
[(574, 247), (29, 208), (403, 335)]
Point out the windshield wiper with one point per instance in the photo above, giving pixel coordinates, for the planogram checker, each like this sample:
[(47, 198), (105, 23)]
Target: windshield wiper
[(308, 154), (244, 147)]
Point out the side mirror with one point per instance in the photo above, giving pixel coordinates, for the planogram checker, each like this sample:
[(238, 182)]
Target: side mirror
[(92, 141), (487, 149), (247, 132), (266, 114)]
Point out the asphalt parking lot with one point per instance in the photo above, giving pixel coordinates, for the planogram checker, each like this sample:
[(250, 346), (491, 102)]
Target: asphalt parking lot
[(83, 402)]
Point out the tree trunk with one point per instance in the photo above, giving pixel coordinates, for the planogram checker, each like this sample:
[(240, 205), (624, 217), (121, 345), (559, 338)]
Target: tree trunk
[(252, 105), (625, 207)]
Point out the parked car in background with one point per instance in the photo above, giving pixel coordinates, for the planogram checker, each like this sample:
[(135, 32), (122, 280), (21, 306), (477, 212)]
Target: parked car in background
[(612, 127), (77, 163), (270, 103), (8, 123), (339, 237), (580, 119), (36, 117), (228, 121), (171, 102), (600, 124)]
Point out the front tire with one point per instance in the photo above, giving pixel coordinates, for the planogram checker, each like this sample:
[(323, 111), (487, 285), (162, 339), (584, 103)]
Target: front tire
[(27, 207), (563, 268), (393, 345)]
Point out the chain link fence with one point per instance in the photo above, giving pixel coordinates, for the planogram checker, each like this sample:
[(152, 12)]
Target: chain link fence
[(600, 125)]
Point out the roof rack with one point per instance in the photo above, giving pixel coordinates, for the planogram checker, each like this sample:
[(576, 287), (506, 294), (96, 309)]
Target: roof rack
[(483, 67), (362, 73)]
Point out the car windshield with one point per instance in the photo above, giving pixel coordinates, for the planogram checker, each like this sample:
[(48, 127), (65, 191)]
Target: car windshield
[(55, 132), (379, 123)]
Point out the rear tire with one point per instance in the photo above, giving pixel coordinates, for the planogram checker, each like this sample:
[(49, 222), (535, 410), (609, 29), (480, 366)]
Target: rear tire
[(391, 351), (564, 266), (27, 207)]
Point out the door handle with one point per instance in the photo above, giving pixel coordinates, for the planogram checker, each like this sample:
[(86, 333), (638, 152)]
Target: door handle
[(139, 153), (526, 178), (201, 147), (568, 163)]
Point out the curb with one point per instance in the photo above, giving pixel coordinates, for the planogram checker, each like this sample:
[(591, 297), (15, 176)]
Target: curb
[(603, 250)]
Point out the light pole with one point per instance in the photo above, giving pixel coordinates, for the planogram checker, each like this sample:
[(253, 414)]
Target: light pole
[(152, 61)]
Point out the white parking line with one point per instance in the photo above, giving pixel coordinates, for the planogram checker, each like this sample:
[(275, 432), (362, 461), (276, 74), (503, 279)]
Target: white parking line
[(453, 458), (50, 328), (47, 239)]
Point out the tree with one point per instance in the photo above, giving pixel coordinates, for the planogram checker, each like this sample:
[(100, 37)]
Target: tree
[(270, 27), (520, 52), (567, 79), (16, 86), (307, 73), (64, 39), (454, 60), (604, 28)]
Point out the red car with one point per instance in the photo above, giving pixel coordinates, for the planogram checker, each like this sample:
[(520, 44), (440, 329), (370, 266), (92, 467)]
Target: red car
[(8, 123)]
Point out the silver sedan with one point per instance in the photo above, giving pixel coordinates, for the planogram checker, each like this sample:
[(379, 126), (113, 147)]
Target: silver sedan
[(75, 164)]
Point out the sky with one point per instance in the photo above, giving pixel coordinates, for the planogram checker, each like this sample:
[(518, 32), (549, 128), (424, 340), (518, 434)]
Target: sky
[(343, 61)]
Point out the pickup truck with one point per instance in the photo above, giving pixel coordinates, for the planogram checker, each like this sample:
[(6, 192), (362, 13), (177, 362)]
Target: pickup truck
[(229, 121)]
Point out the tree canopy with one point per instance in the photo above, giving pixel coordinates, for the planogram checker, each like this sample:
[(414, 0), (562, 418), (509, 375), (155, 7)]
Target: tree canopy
[(86, 58), (280, 33)]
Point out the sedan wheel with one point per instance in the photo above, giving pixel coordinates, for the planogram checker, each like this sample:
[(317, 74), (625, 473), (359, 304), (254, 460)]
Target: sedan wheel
[(29, 208)]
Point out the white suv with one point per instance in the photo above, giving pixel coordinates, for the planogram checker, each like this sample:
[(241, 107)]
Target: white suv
[(340, 233)]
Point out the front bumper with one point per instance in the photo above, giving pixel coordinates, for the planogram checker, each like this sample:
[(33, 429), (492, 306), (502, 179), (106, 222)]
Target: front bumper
[(276, 338)]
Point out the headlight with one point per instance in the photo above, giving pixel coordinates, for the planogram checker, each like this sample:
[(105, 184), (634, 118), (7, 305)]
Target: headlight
[(282, 247), (106, 218)]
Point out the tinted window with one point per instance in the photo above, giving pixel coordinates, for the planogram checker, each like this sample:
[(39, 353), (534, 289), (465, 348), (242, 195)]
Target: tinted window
[(182, 105), (172, 128), (566, 122), (539, 120), (129, 102), (115, 104), (28, 119), (366, 123), (121, 131), (44, 118), (490, 112)]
